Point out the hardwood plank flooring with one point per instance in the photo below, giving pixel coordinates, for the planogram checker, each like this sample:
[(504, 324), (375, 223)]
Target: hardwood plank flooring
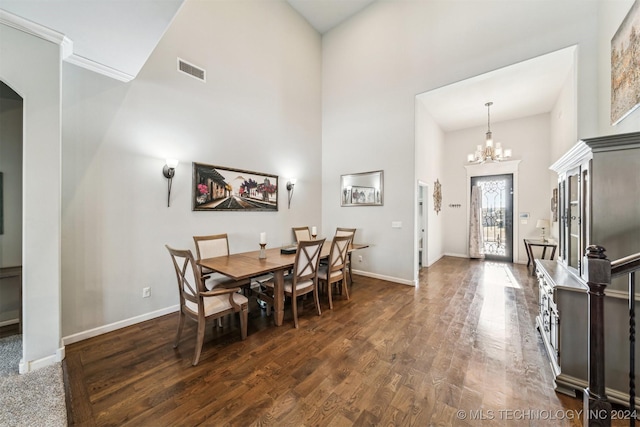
[(459, 349)]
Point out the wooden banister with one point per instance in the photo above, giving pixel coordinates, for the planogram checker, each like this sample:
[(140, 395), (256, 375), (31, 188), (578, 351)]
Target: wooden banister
[(597, 409)]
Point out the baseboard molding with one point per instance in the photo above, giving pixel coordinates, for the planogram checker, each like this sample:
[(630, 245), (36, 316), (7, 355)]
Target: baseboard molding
[(456, 255), (383, 277), (81, 336), (9, 322), (24, 367), (434, 261)]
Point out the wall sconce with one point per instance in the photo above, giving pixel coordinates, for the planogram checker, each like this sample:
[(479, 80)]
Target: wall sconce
[(290, 184), (169, 171)]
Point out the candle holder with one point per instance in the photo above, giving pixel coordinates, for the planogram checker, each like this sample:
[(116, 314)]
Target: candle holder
[(263, 253), (313, 236)]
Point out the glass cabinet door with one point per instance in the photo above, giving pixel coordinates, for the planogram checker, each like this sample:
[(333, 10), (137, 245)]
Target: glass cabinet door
[(573, 220)]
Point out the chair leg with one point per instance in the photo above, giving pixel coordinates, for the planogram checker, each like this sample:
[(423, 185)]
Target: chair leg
[(329, 286), (244, 319), (317, 298), (294, 308), (219, 322), (181, 318), (199, 341), (344, 286)]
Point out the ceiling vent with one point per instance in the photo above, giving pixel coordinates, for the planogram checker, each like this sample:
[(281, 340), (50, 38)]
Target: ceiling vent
[(192, 70)]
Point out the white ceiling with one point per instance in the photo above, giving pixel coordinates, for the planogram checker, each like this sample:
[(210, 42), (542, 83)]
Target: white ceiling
[(524, 89), (120, 35), (323, 15)]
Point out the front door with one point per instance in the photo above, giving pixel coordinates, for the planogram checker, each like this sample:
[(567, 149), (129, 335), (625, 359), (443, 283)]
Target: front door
[(497, 215)]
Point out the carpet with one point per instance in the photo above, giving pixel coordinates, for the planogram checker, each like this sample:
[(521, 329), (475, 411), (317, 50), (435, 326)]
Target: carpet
[(32, 399)]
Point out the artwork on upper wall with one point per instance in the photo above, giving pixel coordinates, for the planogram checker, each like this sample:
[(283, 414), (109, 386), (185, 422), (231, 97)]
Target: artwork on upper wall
[(362, 189), (224, 189), (625, 74)]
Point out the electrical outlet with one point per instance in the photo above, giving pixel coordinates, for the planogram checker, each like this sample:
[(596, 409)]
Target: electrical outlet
[(359, 258), (146, 292)]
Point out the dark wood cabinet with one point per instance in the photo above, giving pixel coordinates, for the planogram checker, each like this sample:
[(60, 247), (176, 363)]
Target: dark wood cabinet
[(598, 203)]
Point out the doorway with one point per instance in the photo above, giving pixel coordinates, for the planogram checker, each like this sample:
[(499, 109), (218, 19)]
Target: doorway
[(421, 226), (497, 215)]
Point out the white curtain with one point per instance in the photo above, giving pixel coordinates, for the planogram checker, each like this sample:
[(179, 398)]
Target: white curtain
[(476, 242)]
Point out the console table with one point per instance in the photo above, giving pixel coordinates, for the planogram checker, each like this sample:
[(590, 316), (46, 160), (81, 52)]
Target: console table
[(530, 243), (8, 272)]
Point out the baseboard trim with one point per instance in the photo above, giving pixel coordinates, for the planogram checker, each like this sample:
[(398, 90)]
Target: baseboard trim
[(383, 277), (9, 322), (81, 336), (24, 367), (456, 255)]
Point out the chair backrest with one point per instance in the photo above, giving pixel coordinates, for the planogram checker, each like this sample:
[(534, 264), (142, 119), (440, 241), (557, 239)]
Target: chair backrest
[(211, 246), (189, 281), (338, 254), (307, 259), (341, 231), (301, 233)]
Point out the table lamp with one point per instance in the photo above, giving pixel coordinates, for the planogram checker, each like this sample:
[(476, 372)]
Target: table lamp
[(543, 223)]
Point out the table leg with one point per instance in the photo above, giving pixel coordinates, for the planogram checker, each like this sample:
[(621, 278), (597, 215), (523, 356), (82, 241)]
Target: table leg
[(278, 297), (529, 253), (553, 252), (544, 251)]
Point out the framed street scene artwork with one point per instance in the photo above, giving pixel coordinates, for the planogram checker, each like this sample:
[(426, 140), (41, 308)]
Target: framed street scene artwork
[(217, 188)]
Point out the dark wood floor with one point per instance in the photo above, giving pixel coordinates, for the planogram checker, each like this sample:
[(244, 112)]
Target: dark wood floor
[(460, 346)]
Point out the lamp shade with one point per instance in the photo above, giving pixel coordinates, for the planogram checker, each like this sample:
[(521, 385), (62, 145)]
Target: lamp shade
[(542, 223), (172, 163)]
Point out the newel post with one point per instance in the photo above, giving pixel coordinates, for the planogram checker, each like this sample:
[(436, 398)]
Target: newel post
[(597, 410)]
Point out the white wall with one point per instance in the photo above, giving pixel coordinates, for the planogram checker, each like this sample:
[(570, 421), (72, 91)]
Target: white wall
[(11, 239), (260, 110), (31, 67), (375, 64), (429, 166)]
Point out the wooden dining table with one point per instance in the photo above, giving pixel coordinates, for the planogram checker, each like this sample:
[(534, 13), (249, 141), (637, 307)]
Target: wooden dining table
[(246, 265)]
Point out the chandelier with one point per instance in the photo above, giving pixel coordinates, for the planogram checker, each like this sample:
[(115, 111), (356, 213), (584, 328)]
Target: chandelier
[(489, 151)]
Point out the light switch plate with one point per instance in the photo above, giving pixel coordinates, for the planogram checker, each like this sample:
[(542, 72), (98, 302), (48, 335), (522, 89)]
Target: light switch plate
[(396, 224)]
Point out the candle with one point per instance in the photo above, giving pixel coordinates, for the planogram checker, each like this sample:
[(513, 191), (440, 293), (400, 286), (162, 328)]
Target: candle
[(314, 231), (263, 238)]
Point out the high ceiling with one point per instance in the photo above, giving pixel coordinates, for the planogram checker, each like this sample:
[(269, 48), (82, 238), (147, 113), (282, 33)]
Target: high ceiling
[(116, 38), (524, 89), (323, 15)]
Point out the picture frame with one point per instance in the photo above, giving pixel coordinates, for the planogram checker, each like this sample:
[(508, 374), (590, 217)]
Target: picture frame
[(362, 189), (217, 188), (554, 205), (625, 81)]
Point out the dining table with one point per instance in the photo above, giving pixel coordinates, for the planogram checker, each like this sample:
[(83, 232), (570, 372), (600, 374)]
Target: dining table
[(246, 265)]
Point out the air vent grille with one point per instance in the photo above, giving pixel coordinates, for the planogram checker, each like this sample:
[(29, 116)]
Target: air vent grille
[(192, 70)]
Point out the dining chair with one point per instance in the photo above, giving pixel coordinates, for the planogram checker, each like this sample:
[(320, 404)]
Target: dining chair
[(342, 231), (304, 278), (200, 304), (335, 271), (212, 246), (301, 233)]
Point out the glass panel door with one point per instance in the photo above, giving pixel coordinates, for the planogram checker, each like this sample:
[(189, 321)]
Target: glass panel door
[(497, 215)]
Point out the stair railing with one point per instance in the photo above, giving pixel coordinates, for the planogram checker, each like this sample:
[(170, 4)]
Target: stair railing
[(598, 273)]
